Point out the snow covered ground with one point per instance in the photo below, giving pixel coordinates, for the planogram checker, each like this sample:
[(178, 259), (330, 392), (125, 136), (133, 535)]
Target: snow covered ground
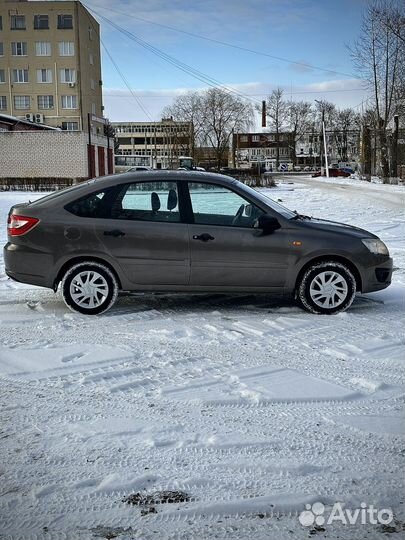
[(245, 406)]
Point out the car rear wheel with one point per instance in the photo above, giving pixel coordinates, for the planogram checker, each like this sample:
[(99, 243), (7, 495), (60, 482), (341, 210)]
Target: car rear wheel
[(326, 288), (90, 288)]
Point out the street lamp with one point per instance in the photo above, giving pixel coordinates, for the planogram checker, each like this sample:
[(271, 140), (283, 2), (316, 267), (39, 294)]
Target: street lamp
[(324, 138)]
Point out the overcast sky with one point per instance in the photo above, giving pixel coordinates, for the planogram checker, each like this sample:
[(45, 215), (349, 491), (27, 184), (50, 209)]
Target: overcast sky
[(314, 32)]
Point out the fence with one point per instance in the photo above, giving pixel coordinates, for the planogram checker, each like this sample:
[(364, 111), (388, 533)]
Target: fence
[(34, 184)]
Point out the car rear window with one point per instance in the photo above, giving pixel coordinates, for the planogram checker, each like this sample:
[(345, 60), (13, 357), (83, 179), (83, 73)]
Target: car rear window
[(93, 205), (64, 191)]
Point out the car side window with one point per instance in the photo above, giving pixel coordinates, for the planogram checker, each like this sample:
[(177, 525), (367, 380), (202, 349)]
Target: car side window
[(94, 205), (214, 204), (147, 201)]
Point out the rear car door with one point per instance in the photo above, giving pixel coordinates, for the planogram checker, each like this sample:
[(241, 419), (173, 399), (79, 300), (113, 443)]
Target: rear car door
[(142, 230), (226, 250)]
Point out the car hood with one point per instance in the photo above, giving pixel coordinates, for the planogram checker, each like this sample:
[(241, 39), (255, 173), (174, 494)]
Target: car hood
[(336, 227)]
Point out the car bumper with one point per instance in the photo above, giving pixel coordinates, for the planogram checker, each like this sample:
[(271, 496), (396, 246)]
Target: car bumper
[(27, 265), (378, 276)]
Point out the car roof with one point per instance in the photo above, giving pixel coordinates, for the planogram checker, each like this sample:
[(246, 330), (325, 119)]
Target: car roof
[(178, 175), (162, 176)]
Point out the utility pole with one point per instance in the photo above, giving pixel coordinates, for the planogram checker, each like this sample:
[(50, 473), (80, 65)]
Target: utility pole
[(366, 152), (326, 153), (324, 140), (321, 146), (394, 150)]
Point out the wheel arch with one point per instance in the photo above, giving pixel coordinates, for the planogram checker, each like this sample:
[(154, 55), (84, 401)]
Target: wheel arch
[(84, 258), (331, 258)]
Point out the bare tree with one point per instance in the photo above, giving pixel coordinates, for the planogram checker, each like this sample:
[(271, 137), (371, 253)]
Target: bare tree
[(277, 112), (379, 56), (188, 108), (223, 114), (346, 120), (215, 114), (326, 111), (300, 120)]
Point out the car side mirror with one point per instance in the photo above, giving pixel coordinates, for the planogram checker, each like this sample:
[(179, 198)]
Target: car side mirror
[(268, 224)]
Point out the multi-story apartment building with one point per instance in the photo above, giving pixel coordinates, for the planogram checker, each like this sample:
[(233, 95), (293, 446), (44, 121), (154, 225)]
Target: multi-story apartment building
[(50, 70), (341, 146), (152, 144), (249, 149)]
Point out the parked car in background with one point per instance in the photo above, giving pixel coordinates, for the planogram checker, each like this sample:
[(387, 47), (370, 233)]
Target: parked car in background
[(139, 168), (333, 172), (190, 232)]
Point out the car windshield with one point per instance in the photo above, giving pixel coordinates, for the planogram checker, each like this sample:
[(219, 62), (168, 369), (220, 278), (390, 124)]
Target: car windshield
[(279, 208)]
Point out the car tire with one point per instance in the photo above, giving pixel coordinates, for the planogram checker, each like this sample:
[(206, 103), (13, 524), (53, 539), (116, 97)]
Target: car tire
[(326, 288), (89, 288)]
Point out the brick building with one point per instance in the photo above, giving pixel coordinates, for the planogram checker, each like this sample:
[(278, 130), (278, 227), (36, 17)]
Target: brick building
[(37, 153), (249, 149)]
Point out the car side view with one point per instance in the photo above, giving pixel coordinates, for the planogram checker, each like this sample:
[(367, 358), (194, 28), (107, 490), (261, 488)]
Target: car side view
[(189, 232)]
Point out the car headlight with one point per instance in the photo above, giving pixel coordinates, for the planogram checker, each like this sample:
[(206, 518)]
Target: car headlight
[(376, 246)]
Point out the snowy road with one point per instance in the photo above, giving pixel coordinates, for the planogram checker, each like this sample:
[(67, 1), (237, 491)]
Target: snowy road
[(390, 196), (247, 405)]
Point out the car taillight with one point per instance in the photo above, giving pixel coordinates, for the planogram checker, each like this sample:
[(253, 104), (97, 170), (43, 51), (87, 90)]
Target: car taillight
[(18, 225)]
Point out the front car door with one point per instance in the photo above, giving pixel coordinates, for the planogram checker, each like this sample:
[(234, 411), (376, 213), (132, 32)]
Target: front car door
[(226, 250)]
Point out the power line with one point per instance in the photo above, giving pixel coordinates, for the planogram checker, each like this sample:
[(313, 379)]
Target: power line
[(250, 95), (226, 44), (174, 61), (126, 81)]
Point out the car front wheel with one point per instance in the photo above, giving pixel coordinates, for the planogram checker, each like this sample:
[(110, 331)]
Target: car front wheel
[(326, 288), (90, 288)]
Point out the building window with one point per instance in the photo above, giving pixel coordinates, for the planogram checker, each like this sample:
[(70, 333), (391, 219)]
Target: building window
[(67, 75), (65, 21), (45, 102), (42, 48), (20, 75), (2, 76), (255, 138), (41, 22), (70, 126), (1, 49), (69, 102), (66, 48), (90, 33), (22, 102), (44, 75), (243, 138), (91, 58), (17, 22), (3, 103), (92, 84), (93, 108), (1, 24), (19, 48)]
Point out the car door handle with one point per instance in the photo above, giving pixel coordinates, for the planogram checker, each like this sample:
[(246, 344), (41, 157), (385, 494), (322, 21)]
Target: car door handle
[(114, 233), (203, 237)]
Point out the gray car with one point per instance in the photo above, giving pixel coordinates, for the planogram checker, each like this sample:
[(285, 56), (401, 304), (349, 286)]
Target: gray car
[(190, 232)]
